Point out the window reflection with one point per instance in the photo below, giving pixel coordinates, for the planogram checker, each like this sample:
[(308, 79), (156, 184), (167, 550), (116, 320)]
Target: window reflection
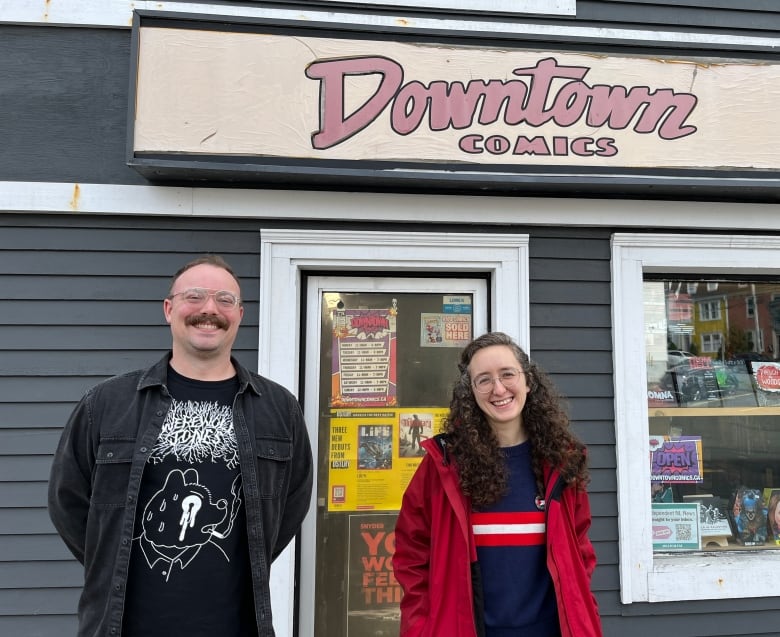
[(714, 413)]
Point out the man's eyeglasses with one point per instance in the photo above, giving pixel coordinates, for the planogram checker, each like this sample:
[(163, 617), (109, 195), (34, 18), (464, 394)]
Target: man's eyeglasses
[(484, 383), (198, 296)]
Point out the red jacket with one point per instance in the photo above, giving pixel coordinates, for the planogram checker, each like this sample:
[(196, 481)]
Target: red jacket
[(434, 551)]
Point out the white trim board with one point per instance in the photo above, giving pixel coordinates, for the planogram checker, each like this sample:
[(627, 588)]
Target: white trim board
[(293, 205), (119, 14)]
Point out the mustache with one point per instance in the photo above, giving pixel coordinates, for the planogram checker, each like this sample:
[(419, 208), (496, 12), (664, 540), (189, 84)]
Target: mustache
[(216, 319)]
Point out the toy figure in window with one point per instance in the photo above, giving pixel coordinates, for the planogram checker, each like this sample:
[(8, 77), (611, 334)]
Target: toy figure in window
[(773, 517), (749, 517)]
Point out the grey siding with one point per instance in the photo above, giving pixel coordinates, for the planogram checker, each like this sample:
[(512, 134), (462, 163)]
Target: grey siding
[(67, 92), (92, 309), (81, 302), (571, 338), (752, 17)]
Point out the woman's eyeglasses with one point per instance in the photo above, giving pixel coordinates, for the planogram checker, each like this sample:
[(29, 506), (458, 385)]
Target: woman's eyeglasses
[(484, 383)]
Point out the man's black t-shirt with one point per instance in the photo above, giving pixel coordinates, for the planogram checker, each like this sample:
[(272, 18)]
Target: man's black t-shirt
[(189, 566)]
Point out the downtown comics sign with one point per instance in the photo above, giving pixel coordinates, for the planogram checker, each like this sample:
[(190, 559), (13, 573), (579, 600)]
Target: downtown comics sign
[(261, 98)]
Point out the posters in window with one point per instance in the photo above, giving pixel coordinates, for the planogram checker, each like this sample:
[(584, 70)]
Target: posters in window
[(444, 330), (676, 527), (676, 459), (364, 358), (767, 380), (373, 594), (374, 453), (713, 515)]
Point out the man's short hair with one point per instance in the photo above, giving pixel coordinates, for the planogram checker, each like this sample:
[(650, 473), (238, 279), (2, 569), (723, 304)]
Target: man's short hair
[(206, 259)]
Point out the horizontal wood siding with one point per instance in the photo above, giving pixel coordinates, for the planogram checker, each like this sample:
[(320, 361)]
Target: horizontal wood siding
[(93, 308), (571, 340), (747, 18), (81, 301)]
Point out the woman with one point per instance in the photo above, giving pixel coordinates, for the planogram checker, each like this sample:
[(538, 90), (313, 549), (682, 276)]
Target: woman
[(491, 539)]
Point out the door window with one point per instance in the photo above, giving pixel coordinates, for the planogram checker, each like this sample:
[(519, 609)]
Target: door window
[(387, 363)]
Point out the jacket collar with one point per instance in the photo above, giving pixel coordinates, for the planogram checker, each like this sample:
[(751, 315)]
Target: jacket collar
[(157, 375)]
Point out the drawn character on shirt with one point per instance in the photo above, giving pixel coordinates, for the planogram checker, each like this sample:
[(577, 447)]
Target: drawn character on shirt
[(181, 518)]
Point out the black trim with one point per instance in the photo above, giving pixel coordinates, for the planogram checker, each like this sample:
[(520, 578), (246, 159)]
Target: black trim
[(479, 599), (557, 490)]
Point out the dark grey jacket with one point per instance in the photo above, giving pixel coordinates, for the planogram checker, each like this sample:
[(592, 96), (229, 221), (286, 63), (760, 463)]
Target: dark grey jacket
[(96, 477)]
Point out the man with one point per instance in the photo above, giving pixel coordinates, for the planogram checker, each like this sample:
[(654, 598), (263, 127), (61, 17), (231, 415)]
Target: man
[(176, 486), (415, 429)]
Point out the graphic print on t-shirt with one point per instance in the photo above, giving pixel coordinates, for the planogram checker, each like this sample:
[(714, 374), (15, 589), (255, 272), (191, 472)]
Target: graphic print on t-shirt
[(200, 497)]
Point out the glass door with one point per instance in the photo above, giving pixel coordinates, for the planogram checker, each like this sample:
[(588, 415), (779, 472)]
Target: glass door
[(387, 351)]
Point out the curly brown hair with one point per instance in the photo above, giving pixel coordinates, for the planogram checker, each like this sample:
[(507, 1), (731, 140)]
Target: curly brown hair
[(474, 445)]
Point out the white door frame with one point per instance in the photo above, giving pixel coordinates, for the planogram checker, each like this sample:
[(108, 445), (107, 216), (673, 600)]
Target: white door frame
[(285, 254)]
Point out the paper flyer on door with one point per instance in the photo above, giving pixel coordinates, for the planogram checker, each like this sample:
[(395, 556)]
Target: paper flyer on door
[(364, 358), (374, 453), (373, 594), (444, 330)]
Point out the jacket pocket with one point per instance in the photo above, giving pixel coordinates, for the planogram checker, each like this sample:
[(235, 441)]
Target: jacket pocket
[(112, 472), (273, 461)]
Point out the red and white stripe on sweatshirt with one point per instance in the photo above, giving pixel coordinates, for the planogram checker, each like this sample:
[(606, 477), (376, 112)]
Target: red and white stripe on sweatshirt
[(509, 529)]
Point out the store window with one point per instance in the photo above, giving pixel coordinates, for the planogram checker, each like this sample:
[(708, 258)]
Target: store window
[(714, 420), (697, 415)]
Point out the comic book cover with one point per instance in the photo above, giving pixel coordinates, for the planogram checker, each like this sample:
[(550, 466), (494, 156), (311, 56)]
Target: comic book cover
[(375, 447), (748, 516)]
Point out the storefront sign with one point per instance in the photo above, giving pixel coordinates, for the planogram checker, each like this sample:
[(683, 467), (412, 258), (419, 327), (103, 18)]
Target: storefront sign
[(257, 94), (676, 459)]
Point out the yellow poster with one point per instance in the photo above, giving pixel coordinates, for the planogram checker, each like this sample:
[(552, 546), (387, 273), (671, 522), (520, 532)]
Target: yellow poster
[(374, 453)]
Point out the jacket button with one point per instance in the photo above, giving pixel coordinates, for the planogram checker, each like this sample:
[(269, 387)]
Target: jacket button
[(143, 449), (110, 454), (159, 413), (272, 451)]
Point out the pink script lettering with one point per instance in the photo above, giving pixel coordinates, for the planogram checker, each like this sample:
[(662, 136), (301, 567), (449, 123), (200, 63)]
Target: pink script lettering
[(532, 99)]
